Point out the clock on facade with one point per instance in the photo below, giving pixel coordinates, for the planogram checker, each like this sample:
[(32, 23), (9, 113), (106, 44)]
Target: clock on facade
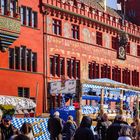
[(121, 53)]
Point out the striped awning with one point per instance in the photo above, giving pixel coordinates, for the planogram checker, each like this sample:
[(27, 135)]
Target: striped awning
[(105, 83)]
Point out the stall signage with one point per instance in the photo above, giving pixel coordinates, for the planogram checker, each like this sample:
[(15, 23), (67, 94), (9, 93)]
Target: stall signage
[(68, 87)]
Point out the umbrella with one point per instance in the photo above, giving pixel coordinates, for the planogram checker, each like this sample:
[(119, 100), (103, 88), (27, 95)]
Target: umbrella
[(17, 102)]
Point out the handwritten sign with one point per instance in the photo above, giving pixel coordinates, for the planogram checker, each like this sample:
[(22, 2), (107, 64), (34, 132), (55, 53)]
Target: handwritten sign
[(68, 87)]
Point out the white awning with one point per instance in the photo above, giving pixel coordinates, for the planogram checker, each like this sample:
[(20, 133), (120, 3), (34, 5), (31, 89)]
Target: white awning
[(17, 102)]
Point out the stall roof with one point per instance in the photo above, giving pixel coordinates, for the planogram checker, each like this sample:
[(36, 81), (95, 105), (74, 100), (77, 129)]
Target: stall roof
[(17, 102), (107, 84)]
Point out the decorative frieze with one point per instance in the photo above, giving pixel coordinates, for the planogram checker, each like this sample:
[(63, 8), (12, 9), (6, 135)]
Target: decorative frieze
[(95, 15), (10, 24)]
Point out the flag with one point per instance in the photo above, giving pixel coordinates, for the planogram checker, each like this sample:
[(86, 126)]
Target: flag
[(119, 7)]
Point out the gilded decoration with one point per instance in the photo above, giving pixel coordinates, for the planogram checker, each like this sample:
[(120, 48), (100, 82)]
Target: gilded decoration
[(10, 24)]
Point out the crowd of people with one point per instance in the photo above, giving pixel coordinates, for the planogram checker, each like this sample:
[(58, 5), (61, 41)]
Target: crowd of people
[(9, 132), (118, 129)]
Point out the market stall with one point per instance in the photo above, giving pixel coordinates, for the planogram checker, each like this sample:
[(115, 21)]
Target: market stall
[(14, 105), (94, 97), (111, 97), (61, 95)]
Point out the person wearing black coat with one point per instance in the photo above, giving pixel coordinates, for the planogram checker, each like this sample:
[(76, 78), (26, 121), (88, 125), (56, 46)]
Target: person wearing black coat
[(84, 132), (69, 129), (102, 125), (55, 127), (114, 129)]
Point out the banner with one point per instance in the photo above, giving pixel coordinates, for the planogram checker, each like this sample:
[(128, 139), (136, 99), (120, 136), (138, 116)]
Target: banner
[(69, 86)]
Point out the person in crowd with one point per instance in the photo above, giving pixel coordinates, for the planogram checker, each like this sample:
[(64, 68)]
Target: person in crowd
[(27, 130), (84, 132), (55, 126), (69, 129), (125, 133), (137, 122), (7, 130), (114, 129), (21, 137), (102, 125), (1, 113), (134, 132)]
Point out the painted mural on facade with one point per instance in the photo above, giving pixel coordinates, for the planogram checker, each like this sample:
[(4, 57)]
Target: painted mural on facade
[(133, 48), (67, 30), (49, 25), (107, 40)]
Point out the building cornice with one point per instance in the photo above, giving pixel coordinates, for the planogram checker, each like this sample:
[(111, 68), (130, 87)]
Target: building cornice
[(82, 19)]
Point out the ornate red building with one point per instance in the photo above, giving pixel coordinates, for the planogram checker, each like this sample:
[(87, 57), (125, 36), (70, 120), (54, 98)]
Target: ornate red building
[(45, 40), (83, 42), (21, 55)]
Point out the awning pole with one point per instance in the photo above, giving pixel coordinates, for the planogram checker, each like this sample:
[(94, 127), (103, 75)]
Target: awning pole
[(121, 102), (138, 106), (102, 102), (79, 110)]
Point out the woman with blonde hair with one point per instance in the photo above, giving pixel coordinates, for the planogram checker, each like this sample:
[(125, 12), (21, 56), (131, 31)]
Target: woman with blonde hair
[(69, 129)]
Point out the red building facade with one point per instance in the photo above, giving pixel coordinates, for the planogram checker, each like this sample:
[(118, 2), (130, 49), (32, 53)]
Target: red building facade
[(82, 43), (51, 40), (21, 65)]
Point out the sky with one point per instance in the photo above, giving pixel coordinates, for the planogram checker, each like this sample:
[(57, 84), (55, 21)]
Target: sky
[(112, 3)]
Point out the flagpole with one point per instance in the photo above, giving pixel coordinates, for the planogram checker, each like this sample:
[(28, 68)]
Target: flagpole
[(124, 7), (105, 5)]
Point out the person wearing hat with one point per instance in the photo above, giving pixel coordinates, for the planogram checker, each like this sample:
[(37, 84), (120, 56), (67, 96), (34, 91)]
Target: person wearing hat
[(55, 126), (6, 128)]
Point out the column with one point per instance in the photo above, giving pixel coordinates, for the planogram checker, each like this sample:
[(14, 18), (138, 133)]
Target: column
[(130, 77), (99, 70), (110, 72), (121, 75), (8, 7), (17, 9)]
